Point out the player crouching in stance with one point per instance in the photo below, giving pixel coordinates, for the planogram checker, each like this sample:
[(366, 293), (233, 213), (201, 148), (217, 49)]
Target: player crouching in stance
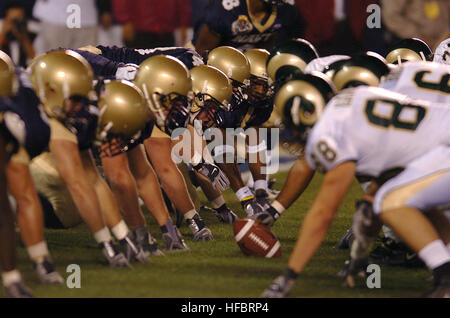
[(13, 133), (63, 81), (342, 150)]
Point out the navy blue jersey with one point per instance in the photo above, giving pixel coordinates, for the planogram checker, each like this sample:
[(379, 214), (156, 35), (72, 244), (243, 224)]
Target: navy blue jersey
[(189, 57), (231, 20), (242, 114), (24, 119)]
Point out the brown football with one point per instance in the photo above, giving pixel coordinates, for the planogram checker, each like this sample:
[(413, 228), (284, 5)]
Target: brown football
[(255, 239)]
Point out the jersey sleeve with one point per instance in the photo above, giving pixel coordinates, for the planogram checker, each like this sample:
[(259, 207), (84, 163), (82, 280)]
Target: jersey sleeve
[(329, 146), (101, 65)]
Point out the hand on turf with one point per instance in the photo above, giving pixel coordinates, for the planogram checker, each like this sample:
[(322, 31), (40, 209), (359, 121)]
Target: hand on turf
[(279, 288), (267, 217), (353, 268)]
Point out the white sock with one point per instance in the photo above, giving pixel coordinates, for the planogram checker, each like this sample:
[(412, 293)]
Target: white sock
[(11, 277), (120, 230), (435, 254), (218, 202), (244, 193), (261, 185), (190, 214), (38, 252), (103, 235), (448, 247)]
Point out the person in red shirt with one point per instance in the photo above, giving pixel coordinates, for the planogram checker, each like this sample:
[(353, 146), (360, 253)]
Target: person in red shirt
[(152, 23)]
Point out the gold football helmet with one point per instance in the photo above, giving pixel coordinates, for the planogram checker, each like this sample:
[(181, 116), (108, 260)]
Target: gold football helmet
[(212, 92), (232, 62), (290, 59), (8, 79), (167, 86), (260, 91), (365, 69), (301, 101), (409, 50), (58, 76), (123, 115)]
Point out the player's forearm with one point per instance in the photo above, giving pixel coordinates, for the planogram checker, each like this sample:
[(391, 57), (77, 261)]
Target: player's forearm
[(312, 233), (297, 181)]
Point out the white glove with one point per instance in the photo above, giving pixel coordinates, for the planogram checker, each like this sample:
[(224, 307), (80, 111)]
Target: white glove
[(127, 72)]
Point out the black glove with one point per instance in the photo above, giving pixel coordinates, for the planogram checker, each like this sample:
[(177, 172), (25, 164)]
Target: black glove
[(353, 268), (251, 207), (268, 216)]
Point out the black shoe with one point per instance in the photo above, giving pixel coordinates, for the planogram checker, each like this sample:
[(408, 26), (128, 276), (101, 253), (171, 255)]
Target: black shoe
[(174, 244), (224, 214), (251, 207), (199, 229), (146, 242), (113, 255), (132, 251), (47, 274), (346, 240), (17, 290), (395, 253), (441, 289)]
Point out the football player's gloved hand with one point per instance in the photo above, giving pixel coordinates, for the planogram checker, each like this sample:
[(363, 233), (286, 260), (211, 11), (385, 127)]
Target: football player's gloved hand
[(267, 217), (214, 174), (353, 268), (365, 225), (251, 207), (127, 72), (280, 287)]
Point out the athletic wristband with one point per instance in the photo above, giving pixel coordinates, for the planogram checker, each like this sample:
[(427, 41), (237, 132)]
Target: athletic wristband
[(278, 206)]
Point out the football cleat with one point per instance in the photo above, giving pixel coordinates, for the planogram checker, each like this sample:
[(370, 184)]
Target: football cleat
[(394, 253), (441, 289), (174, 241), (199, 229), (251, 207), (17, 290), (47, 274), (146, 242), (132, 251), (113, 255), (279, 288), (225, 215)]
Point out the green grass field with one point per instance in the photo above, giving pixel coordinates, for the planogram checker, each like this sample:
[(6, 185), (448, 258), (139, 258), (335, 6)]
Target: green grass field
[(218, 268)]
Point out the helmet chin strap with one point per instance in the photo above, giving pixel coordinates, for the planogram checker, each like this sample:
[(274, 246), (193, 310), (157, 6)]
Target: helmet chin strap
[(157, 110), (422, 56)]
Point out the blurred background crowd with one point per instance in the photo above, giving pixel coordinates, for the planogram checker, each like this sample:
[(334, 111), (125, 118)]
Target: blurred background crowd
[(30, 27)]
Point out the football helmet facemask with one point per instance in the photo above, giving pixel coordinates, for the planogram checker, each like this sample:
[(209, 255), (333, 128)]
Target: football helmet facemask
[(409, 50), (212, 92), (8, 79), (290, 59), (301, 101), (260, 92), (123, 115), (167, 86)]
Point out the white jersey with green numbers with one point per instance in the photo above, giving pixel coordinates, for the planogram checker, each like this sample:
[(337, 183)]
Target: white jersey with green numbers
[(378, 129), (421, 80)]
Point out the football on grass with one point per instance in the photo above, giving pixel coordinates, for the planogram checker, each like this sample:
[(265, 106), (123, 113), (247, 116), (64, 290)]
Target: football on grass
[(255, 239)]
